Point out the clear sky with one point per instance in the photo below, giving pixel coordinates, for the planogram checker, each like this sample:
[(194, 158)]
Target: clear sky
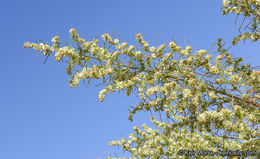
[(41, 117)]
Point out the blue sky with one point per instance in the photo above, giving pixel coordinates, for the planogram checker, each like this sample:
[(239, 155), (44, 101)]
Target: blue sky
[(41, 117)]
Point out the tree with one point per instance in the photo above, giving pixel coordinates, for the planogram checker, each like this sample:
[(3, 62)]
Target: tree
[(210, 102)]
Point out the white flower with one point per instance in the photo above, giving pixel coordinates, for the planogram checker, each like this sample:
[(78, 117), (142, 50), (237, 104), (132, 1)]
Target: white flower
[(118, 47), (76, 81), (172, 45), (251, 118), (202, 118), (138, 53), (187, 93), (227, 124), (184, 53), (214, 69), (230, 69), (109, 70), (106, 37), (212, 95), (150, 91), (116, 41), (123, 45), (195, 101), (178, 49), (201, 52), (102, 94), (208, 57), (120, 85), (131, 48), (41, 46), (225, 3), (26, 44), (138, 36), (219, 57), (55, 39), (153, 49), (237, 108), (72, 31), (220, 116), (153, 55)]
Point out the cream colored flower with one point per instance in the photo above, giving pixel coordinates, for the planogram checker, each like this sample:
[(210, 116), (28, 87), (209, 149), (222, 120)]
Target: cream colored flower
[(201, 52), (172, 45), (102, 94), (153, 49), (153, 55), (138, 53), (131, 48), (138, 36), (72, 31), (208, 57), (212, 95), (202, 118), (187, 93), (55, 39), (116, 41), (225, 3)]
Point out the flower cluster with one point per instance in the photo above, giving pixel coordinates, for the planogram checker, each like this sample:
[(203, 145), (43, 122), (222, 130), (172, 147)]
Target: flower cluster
[(102, 94), (165, 140), (39, 47), (250, 9), (198, 91)]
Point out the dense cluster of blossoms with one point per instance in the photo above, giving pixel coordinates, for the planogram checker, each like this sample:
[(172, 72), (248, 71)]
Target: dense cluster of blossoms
[(251, 14), (167, 139), (200, 94), (210, 101)]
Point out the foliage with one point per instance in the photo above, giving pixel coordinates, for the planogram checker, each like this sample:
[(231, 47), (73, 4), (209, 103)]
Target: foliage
[(249, 9), (211, 102)]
